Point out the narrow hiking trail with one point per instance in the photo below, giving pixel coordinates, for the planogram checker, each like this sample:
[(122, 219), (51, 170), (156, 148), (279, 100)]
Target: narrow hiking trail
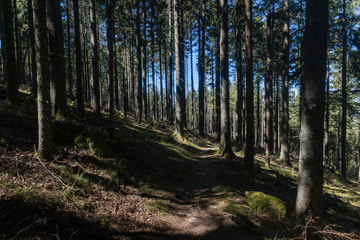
[(196, 216)]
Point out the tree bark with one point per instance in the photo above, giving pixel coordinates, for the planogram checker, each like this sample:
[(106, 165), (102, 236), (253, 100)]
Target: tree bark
[(110, 46), (32, 46), (70, 69), (79, 86), (343, 93), (269, 135), (95, 57), (138, 66), (43, 80), (225, 141), (179, 71), (284, 154), (239, 76), (310, 183), (171, 114), (217, 74), (144, 67), (202, 72), (249, 149), (57, 58)]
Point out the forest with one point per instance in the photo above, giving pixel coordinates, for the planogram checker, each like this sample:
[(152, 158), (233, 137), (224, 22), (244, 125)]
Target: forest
[(179, 119)]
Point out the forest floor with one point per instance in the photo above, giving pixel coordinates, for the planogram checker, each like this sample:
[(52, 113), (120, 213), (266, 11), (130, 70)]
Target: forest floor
[(123, 180)]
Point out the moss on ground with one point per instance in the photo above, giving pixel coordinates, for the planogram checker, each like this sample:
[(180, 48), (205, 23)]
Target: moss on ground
[(267, 204), (95, 142)]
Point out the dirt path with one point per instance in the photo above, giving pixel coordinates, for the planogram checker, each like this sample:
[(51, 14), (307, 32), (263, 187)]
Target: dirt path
[(195, 217)]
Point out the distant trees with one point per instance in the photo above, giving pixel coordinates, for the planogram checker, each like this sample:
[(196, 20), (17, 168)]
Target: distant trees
[(310, 183), (11, 77)]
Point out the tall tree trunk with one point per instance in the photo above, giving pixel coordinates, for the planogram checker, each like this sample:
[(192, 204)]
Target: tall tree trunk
[(217, 73), (343, 93), (43, 80), (70, 74), (11, 73), (32, 46), (327, 115), (179, 70), (138, 61), (116, 78), (153, 65), (171, 113), (225, 141), (19, 52), (284, 154), (125, 87), (239, 76), (161, 79), (202, 71), (110, 46), (79, 86), (57, 58), (249, 149), (269, 87), (310, 183), (192, 79), (259, 120), (95, 57), (144, 67)]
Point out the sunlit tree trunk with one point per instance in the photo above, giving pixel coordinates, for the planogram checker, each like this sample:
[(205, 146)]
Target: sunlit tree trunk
[(310, 182), (43, 80), (284, 154)]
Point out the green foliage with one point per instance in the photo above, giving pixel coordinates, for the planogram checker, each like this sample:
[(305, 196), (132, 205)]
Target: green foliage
[(95, 142), (3, 142), (267, 204)]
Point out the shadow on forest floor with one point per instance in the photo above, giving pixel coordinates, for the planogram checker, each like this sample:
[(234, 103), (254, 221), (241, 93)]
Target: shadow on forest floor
[(138, 181)]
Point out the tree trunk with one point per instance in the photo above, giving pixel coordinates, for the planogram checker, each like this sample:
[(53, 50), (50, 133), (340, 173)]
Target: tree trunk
[(95, 57), (269, 87), (138, 66), (259, 119), (284, 154), (153, 66), (57, 58), (144, 67), (171, 114), (343, 93), (239, 76), (327, 115), (310, 183), (161, 79), (225, 141), (179, 71), (79, 86), (217, 73), (192, 79), (43, 81), (32, 46), (110, 46), (202, 71), (19, 52), (249, 150), (70, 69), (10, 59)]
